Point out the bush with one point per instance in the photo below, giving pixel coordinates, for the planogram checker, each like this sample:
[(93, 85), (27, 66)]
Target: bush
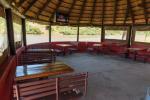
[(34, 30)]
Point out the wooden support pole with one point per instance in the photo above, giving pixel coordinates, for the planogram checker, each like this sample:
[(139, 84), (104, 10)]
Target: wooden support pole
[(130, 36), (102, 33), (50, 33), (24, 32), (10, 31), (78, 32)]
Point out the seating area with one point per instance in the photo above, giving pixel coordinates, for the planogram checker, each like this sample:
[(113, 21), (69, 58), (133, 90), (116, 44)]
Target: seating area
[(74, 49)]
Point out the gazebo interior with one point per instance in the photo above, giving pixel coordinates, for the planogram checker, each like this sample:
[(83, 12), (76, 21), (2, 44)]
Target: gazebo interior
[(74, 49)]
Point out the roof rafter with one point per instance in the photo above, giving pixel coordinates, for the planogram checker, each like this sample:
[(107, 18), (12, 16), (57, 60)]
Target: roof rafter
[(130, 11), (20, 3), (30, 5), (145, 12), (93, 11), (103, 12), (115, 11), (57, 6), (71, 8), (81, 12), (126, 14), (43, 7)]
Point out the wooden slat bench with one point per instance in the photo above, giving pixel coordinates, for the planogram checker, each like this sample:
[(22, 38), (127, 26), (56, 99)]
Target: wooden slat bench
[(33, 58), (37, 89)]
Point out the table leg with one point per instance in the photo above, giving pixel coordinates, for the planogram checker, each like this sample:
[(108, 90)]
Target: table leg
[(127, 54), (135, 53)]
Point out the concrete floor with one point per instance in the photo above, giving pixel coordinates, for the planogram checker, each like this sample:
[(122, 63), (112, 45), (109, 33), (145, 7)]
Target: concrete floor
[(111, 77)]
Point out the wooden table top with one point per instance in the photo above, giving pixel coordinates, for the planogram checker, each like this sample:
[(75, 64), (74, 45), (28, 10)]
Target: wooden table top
[(41, 70), (38, 50), (64, 45), (135, 49), (97, 45)]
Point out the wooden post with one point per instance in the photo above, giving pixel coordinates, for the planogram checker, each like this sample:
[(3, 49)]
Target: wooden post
[(78, 31), (129, 37), (130, 31), (102, 33), (50, 33), (24, 32), (10, 31)]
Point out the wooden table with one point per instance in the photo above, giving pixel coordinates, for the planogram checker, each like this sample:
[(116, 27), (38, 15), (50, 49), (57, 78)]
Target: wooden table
[(41, 70), (38, 50), (97, 45), (64, 47), (134, 50)]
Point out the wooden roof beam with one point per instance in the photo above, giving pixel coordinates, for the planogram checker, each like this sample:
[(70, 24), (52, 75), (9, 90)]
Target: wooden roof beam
[(115, 11), (145, 12), (130, 11), (103, 12), (71, 8), (93, 11), (81, 12), (20, 3), (43, 7), (30, 5), (57, 6), (126, 15)]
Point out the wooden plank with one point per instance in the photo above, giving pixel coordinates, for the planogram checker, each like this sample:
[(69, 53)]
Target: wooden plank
[(93, 11), (43, 8), (23, 85), (81, 12), (30, 5), (145, 11), (38, 91), (34, 97), (58, 5), (30, 88), (115, 11)]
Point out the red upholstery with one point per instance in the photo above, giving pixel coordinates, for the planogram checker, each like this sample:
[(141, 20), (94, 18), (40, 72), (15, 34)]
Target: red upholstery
[(144, 55)]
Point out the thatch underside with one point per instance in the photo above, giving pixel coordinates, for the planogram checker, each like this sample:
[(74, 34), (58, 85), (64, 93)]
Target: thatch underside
[(88, 12)]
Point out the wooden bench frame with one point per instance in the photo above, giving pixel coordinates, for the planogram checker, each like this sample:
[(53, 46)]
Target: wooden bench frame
[(46, 87)]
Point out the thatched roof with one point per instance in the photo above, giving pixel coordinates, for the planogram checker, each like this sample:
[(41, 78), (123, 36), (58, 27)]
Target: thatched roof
[(88, 12)]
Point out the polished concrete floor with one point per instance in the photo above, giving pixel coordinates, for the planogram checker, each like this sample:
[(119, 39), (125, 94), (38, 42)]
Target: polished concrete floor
[(111, 77)]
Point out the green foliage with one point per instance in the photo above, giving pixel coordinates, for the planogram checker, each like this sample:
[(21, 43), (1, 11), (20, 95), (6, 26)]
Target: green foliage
[(65, 30), (33, 30)]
